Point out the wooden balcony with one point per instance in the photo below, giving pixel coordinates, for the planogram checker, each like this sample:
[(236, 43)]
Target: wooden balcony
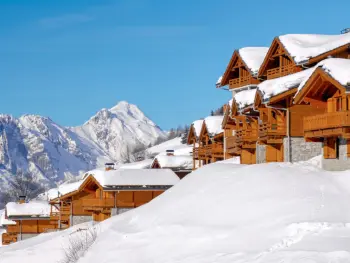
[(201, 152), (242, 81), (195, 153), (327, 125), (249, 138), (281, 71), (234, 145), (97, 204), (8, 238), (271, 133)]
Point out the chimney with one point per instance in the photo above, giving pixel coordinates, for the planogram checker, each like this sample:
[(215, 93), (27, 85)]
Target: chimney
[(22, 199), (109, 166), (170, 152)]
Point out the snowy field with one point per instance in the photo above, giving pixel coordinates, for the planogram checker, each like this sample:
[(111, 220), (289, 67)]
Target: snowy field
[(223, 213)]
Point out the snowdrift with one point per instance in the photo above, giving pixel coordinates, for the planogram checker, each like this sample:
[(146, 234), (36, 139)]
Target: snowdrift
[(224, 212)]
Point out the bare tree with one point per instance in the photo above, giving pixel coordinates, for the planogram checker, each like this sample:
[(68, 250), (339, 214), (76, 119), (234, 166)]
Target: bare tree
[(24, 184)]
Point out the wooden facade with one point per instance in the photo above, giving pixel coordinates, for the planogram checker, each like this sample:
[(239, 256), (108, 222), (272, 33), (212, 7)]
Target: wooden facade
[(210, 147), (193, 140), (237, 73)]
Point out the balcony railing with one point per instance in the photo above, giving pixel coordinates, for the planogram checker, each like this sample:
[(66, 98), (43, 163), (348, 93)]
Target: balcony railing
[(195, 153), (250, 134), (281, 71), (8, 238), (327, 121), (234, 144), (240, 82), (269, 129)]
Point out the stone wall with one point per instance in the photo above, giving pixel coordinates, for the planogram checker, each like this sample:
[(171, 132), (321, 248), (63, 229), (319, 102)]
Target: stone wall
[(75, 220), (118, 211), (25, 236), (260, 153), (341, 163), (300, 149)]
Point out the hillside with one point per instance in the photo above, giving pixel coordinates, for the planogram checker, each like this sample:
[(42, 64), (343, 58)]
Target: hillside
[(54, 153), (224, 213)]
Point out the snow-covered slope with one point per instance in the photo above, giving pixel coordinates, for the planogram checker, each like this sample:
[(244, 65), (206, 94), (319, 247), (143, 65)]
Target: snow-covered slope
[(222, 213), (173, 144), (54, 153)]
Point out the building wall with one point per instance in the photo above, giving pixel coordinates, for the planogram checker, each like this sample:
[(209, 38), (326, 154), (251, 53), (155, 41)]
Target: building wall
[(261, 153), (300, 149), (25, 236), (118, 211), (75, 220), (341, 163)]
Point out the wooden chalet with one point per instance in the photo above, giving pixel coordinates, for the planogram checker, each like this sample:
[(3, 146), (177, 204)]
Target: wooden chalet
[(289, 54), (243, 68), (328, 88), (116, 191), (24, 220), (193, 139), (181, 165), (211, 140)]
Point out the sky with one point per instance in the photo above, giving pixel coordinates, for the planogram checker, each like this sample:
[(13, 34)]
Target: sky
[(68, 59)]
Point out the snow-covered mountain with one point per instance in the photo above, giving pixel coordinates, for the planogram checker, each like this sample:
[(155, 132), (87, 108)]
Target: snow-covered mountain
[(55, 153)]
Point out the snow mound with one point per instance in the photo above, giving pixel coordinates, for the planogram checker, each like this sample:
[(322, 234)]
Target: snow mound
[(223, 213)]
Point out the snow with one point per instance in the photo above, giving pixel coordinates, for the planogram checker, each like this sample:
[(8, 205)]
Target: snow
[(181, 162), (63, 189), (213, 124), (197, 126), (33, 208), (137, 165), (218, 82), (302, 47), (222, 213), (245, 98), (173, 144), (253, 57), (132, 177), (273, 87), (5, 221), (337, 68)]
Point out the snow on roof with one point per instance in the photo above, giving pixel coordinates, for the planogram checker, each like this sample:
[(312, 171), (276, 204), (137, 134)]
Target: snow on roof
[(253, 57), (32, 209), (245, 98), (133, 177), (63, 189), (305, 46), (213, 124), (182, 162), (337, 68), (5, 221), (273, 87), (137, 165), (197, 125), (218, 82), (173, 144)]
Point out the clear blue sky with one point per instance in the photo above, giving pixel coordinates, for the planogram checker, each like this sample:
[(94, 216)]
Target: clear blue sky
[(68, 59)]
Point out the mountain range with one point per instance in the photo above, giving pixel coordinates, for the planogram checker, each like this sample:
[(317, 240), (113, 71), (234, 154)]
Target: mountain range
[(54, 153)]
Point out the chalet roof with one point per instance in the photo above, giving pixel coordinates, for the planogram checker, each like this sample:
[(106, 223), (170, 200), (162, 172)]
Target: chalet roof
[(273, 87), (178, 162), (5, 221), (134, 177), (31, 209), (63, 189), (244, 98), (213, 124), (253, 57), (197, 126), (337, 68), (302, 47)]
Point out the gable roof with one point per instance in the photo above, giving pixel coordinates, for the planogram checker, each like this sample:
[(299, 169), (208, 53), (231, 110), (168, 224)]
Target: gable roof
[(336, 68), (273, 87), (178, 162), (63, 190), (252, 58), (133, 177), (302, 47), (31, 209), (213, 125)]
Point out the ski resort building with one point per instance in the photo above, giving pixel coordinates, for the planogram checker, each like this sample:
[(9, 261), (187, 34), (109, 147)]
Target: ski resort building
[(193, 139), (327, 88), (181, 165), (24, 220), (211, 141)]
